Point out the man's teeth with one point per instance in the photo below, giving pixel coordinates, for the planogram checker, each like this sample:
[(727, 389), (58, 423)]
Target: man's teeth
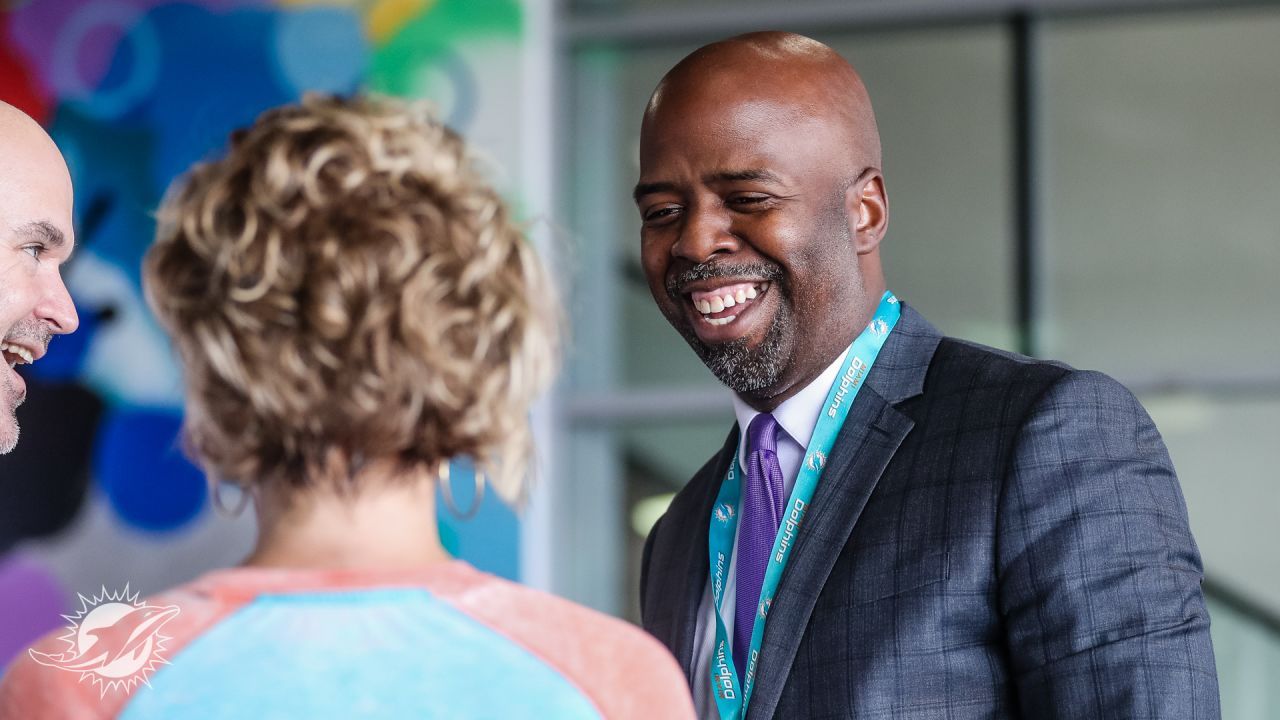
[(21, 352), (729, 297), (721, 321)]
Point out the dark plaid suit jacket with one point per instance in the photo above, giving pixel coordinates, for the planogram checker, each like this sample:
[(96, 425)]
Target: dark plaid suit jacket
[(993, 537)]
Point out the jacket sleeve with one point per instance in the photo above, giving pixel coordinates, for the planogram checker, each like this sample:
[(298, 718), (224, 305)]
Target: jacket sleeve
[(1098, 575)]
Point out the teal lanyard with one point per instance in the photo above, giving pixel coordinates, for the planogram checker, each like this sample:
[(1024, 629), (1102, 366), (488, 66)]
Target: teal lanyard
[(724, 522)]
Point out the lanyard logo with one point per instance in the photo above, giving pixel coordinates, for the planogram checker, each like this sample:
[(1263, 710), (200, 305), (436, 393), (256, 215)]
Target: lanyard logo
[(817, 460)]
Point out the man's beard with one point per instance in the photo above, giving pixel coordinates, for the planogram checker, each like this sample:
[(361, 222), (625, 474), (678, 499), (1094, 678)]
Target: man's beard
[(741, 368), (9, 400), (8, 414)]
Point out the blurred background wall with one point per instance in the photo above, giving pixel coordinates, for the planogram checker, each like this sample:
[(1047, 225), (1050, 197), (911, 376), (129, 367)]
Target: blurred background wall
[(1090, 181)]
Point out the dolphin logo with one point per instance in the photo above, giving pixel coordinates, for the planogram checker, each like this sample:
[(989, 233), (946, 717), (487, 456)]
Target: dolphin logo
[(117, 643), (817, 460)]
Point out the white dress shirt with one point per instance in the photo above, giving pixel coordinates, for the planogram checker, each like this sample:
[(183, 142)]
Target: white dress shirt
[(796, 417)]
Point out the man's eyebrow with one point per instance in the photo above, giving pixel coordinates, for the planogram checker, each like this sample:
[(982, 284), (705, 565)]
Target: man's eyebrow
[(643, 189), (44, 231), (743, 176), (754, 175)]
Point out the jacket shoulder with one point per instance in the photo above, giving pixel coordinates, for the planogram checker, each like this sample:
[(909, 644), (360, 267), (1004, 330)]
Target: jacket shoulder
[(988, 363), (961, 367), (962, 364)]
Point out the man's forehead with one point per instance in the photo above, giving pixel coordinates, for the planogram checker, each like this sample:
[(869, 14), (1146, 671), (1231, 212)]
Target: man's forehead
[(36, 200), (30, 159), (722, 89), (750, 135), (734, 124)]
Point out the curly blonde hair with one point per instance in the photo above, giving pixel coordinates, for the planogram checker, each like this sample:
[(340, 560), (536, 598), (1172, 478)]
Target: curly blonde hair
[(344, 287)]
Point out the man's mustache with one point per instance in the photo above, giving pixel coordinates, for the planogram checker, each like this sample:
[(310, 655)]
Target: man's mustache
[(706, 271), (30, 330)]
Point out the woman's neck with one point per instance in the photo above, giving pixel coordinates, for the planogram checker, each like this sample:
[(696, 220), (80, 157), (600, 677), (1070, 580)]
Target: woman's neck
[(387, 521)]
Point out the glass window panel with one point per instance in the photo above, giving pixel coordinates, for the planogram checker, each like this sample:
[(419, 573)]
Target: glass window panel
[(943, 103), (1162, 224), (1231, 481), (620, 478), (658, 459), (1248, 661)]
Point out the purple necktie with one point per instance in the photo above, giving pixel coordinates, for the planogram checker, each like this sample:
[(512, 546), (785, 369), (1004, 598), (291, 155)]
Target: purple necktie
[(761, 515)]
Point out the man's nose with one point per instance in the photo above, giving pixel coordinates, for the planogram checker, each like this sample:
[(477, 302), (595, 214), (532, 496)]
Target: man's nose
[(56, 308), (707, 231)]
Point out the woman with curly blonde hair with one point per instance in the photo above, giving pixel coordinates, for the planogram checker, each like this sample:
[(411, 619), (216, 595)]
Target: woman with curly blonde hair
[(354, 307)]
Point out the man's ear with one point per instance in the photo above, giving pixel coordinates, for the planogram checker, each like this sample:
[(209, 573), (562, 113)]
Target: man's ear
[(867, 205)]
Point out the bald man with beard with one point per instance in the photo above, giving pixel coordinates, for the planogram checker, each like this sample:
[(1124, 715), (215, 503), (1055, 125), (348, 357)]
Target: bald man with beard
[(35, 240), (900, 524)]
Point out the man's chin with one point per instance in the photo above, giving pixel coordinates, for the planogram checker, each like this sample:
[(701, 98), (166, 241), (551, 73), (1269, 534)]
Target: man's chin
[(8, 432), (10, 399), (745, 365)]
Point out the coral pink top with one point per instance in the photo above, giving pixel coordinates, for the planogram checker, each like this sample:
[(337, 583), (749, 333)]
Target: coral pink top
[(441, 641)]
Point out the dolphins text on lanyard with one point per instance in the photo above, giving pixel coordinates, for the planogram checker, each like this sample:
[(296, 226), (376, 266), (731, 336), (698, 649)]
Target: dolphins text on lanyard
[(731, 700)]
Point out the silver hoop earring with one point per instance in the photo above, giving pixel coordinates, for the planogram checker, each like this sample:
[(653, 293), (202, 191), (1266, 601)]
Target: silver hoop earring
[(446, 489), (220, 505)]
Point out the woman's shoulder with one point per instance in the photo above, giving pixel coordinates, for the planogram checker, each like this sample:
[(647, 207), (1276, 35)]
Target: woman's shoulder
[(474, 590), (624, 670)]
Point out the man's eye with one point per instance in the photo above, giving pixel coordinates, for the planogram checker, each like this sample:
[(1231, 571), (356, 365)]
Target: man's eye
[(34, 251), (660, 213), (747, 200)]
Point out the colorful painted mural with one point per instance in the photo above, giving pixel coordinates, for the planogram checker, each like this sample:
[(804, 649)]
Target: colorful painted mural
[(134, 91)]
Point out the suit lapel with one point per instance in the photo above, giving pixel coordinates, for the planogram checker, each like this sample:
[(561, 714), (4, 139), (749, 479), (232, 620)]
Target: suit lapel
[(871, 435)]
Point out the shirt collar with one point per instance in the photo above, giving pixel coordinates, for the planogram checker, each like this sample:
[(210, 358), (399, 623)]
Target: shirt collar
[(798, 414)]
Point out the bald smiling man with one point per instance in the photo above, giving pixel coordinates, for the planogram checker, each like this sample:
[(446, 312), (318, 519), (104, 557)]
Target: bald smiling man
[(35, 240), (900, 524)]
